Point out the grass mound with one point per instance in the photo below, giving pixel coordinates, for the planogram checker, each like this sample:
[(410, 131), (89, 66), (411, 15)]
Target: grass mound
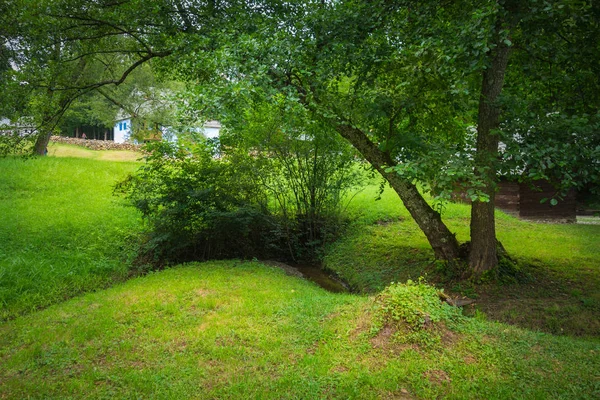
[(561, 294), (235, 329), (415, 313)]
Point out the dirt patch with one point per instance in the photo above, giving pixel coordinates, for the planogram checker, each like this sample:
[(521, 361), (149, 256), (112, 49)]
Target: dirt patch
[(385, 340), (203, 292), (312, 349), (437, 376), (339, 369), (448, 337), (402, 394), (388, 221), (547, 303), (383, 337), (362, 323), (469, 360)]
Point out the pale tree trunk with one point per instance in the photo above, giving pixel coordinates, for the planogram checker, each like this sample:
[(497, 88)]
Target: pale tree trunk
[(483, 254), (52, 115), (41, 143), (444, 243)]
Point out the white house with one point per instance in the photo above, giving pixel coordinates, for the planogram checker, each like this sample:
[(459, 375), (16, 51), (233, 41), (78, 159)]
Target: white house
[(211, 129), (122, 130)]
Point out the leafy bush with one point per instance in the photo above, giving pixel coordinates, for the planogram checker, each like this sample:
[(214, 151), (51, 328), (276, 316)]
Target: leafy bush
[(414, 310), (310, 167), (199, 207), (244, 204)]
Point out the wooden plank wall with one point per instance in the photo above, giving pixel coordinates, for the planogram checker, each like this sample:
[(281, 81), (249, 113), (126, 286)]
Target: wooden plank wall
[(531, 208), (507, 197)]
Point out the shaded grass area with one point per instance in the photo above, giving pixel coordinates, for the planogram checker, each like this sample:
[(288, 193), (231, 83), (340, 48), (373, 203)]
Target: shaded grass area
[(61, 231), (557, 288), (244, 330)]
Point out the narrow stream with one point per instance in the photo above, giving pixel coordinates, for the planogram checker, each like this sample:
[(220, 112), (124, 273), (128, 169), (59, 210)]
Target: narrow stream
[(315, 274)]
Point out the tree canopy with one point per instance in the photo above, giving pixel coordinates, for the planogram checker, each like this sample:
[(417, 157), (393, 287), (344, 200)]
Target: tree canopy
[(426, 92)]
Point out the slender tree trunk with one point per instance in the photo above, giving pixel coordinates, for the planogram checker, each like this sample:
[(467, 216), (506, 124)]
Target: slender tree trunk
[(41, 143), (52, 115), (444, 243), (483, 255)]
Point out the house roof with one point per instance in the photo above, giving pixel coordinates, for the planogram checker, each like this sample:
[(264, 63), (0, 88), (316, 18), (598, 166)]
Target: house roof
[(212, 124)]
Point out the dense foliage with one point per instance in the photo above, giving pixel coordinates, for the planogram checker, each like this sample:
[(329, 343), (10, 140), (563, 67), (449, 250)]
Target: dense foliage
[(406, 85), (198, 207), (204, 201)]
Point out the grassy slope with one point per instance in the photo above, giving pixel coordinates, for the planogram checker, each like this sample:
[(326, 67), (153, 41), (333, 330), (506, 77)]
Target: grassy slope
[(67, 150), (61, 231), (562, 293), (243, 330), (239, 330)]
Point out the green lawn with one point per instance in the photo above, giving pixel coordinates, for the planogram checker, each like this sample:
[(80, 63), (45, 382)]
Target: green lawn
[(61, 231), (69, 150), (243, 330), (558, 290), (234, 329)]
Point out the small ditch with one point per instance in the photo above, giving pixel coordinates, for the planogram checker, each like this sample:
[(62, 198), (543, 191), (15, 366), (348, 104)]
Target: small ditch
[(313, 273)]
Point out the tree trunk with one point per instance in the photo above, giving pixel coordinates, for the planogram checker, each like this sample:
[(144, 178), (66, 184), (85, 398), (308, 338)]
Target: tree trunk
[(54, 110), (483, 255), (444, 243), (41, 144)]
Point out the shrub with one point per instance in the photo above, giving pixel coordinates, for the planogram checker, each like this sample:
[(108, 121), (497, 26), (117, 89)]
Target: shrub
[(243, 204), (199, 207)]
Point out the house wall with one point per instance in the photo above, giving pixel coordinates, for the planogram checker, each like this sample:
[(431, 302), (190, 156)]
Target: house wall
[(211, 132), (122, 130), (531, 208), (507, 197)]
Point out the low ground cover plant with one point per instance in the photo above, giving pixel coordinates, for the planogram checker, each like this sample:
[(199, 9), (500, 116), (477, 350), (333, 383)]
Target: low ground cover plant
[(415, 313)]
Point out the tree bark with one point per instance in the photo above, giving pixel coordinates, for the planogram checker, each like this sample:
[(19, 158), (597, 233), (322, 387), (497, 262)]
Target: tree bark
[(483, 255), (41, 143), (444, 243)]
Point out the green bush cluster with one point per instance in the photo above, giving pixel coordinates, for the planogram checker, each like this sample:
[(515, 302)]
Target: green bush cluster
[(416, 313), (197, 206), (200, 206)]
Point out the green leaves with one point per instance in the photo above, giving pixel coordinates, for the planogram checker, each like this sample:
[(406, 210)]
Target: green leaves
[(416, 313)]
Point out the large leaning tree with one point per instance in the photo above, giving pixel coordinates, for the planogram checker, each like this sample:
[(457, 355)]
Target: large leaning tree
[(424, 91), (428, 93)]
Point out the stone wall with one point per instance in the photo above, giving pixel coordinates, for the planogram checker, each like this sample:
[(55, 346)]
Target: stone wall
[(96, 144)]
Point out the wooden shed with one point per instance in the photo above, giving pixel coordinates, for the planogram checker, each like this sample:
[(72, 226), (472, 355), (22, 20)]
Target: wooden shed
[(524, 201)]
